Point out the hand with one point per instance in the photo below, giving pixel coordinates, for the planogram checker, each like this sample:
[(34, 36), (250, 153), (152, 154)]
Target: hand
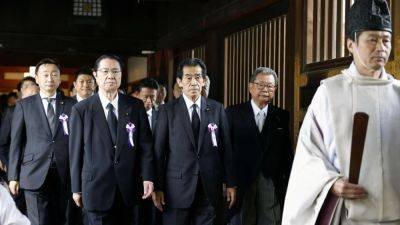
[(158, 199), (14, 187), (77, 199), (3, 166), (148, 188), (231, 196), (343, 188)]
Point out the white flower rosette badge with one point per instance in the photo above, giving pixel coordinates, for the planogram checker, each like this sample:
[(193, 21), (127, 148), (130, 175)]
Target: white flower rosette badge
[(212, 127), (130, 128), (64, 121)]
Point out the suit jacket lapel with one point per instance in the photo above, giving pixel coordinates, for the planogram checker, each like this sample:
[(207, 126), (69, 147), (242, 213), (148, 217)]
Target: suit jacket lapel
[(183, 113), (59, 110), (204, 118), (124, 111), (42, 113), (100, 120)]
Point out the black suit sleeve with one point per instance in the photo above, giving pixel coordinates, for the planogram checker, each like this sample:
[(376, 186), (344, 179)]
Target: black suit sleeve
[(229, 163), (76, 150), (5, 136), (160, 147), (146, 144), (288, 152), (17, 140)]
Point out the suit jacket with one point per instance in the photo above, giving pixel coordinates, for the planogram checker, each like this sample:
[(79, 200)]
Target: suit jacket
[(98, 167), (179, 163), (268, 153), (5, 135), (33, 145), (154, 118)]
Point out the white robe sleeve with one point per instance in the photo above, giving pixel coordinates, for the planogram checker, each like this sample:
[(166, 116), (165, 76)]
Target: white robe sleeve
[(9, 214), (314, 170)]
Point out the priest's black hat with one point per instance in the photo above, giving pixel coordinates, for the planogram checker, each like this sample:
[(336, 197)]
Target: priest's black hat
[(368, 15)]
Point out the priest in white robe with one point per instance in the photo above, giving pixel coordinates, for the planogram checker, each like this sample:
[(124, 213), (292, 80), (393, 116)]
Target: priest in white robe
[(322, 159)]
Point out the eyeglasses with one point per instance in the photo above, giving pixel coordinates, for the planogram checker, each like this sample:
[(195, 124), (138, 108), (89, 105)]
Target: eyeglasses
[(261, 86), (106, 71)]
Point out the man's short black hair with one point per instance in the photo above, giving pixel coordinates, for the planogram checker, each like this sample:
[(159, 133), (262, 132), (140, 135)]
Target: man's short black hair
[(85, 70), (148, 83), (47, 61), (12, 95), (107, 56), (191, 62), (25, 79)]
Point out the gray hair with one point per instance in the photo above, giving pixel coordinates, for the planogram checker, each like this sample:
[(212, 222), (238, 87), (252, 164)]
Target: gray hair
[(266, 71)]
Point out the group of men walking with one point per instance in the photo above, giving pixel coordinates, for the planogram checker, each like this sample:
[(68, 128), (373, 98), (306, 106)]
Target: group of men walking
[(96, 160)]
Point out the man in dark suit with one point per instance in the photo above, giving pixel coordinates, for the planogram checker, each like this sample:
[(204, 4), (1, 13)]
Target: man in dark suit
[(110, 150), (38, 159), (193, 154), (26, 87), (148, 92), (262, 149), (84, 84)]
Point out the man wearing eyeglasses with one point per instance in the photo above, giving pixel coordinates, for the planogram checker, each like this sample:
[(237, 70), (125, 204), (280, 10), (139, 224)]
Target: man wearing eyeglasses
[(193, 154), (111, 156), (263, 154)]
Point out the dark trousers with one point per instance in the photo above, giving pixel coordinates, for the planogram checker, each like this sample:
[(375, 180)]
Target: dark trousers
[(201, 211), (148, 213), (48, 204), (260, 205), (119, 214), (75, 214)]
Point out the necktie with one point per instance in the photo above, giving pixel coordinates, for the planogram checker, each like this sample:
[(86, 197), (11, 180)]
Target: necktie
[(112, 122), (260, 120), (51, 115), (195, 124)]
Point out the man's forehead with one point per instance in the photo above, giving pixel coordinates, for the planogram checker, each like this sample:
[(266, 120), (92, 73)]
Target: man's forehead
[(192, 69), (84, 77), (48, 67)]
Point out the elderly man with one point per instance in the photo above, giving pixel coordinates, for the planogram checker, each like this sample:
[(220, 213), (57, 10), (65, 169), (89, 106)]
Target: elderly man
[(110, 150), (322, 161), (263, 154), (38, 159), (193, 154)]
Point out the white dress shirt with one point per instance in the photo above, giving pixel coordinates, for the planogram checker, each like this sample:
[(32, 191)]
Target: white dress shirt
[(104, 102), (9, 214), (46, 103), (79, 98), (149, 116), (189, 105)]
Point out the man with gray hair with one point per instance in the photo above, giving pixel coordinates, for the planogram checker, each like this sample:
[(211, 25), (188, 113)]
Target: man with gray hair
[(261, 145)]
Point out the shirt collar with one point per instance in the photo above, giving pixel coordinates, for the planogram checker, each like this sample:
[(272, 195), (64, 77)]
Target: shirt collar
[(104, 101), (79, 98), (150, 112), (189, 102), (42, 96), (256, 109)]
